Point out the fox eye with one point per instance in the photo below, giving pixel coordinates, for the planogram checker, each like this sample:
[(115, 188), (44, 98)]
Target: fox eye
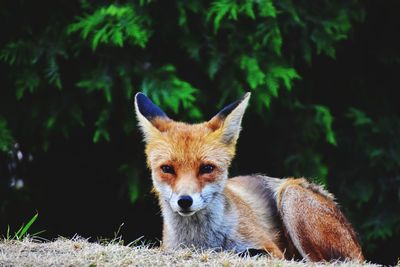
[(206, 168), (168, 169)]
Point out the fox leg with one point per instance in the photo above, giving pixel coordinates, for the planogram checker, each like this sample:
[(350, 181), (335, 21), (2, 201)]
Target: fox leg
[(263, 242), (273, 249), (314, 223)]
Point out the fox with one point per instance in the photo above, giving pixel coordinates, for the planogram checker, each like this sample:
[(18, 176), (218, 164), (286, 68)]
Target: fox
[(288, 218)]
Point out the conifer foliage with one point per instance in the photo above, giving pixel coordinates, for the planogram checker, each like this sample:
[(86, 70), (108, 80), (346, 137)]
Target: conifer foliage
[(236, 45)]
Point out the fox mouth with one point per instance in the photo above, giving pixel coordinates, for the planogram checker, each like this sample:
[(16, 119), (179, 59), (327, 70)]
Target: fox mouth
[(186, 213)]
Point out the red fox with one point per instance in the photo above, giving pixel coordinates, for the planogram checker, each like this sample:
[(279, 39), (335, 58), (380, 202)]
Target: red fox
[(288, 218)]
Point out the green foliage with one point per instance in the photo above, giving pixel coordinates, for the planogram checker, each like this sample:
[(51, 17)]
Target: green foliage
[(6, 139), (113, 25), (134, 57), (167, 90), (101, 127), (314, 123), (255, 76), (27, 81), (20, 53), (359, 118), (35, 62), (377, 144), (331, 30), (324, 118), (269, 79), (232, 9), (308, 163), (98, 80), (133, 175)]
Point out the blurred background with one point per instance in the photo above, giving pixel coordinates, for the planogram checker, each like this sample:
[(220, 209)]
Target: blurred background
[(324, 77)]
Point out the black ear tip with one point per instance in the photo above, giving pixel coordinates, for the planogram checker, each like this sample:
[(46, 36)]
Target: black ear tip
[(147, 108), (139, 96), (142, 100)]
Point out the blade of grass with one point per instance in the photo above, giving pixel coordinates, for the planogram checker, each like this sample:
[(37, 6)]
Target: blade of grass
[(8, 236), (16, 235), (38, 233), (21, 233)]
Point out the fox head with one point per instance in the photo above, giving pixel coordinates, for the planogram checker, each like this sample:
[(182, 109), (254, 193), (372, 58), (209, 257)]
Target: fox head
[(189, 162)]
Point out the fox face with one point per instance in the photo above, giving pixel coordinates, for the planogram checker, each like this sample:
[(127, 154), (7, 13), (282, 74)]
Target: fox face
[(189, 162)]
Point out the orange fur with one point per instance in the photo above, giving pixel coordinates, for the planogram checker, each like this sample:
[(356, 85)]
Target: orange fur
[(251, 226), (186, 147), (306, 210)]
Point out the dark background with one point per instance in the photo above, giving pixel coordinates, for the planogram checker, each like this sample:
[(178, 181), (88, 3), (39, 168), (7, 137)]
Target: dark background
[(324, 78)]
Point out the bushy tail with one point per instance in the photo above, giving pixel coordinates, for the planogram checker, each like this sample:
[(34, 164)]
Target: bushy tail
[(314, 224)]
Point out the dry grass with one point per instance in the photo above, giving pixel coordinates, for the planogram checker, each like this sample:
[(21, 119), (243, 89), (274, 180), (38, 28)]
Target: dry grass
[(80, 252)]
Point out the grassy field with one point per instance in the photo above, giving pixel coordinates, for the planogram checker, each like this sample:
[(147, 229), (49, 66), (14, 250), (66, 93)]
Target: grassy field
[(80, 252)]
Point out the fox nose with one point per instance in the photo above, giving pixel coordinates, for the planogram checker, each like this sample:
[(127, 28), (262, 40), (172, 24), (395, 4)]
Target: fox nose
[(185, 202)]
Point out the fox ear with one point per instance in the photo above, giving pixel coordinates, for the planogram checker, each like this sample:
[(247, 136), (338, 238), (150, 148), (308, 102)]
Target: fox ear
[(152, 120), (228, 120)]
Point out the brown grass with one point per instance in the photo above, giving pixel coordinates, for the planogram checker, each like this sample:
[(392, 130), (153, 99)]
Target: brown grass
[(80, 252)]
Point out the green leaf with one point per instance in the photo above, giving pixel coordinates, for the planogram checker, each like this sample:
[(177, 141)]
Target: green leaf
[(254, 75), (266, 8), (133, 175), (21, 233), (107, 93), (195, 113), (51, 121), (286, 74), (134, 191), (167, 90), (292, 9), (264, 100), (272, 84), (247, 8), (182, 19), (27, 81), (20, 52), (220, 9), (76, 115), (214, 65), (276, 41), (98, 80), (6, 138), (53, 73), (101, 133), (328, 31), (359, 117), (324, 118), (117, 38), (101, 127), (99, 36)]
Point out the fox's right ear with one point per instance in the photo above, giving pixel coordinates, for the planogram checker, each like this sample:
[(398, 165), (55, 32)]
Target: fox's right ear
[(227, 122), (152, 120)]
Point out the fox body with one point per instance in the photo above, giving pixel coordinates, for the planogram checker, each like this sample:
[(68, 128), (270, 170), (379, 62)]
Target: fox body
[(201, 207)]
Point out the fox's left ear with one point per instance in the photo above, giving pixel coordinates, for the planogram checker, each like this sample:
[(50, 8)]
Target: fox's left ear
[(228, 121), (152, 120)]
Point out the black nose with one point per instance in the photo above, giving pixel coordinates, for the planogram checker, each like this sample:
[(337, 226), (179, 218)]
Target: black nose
[(185, 202)]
